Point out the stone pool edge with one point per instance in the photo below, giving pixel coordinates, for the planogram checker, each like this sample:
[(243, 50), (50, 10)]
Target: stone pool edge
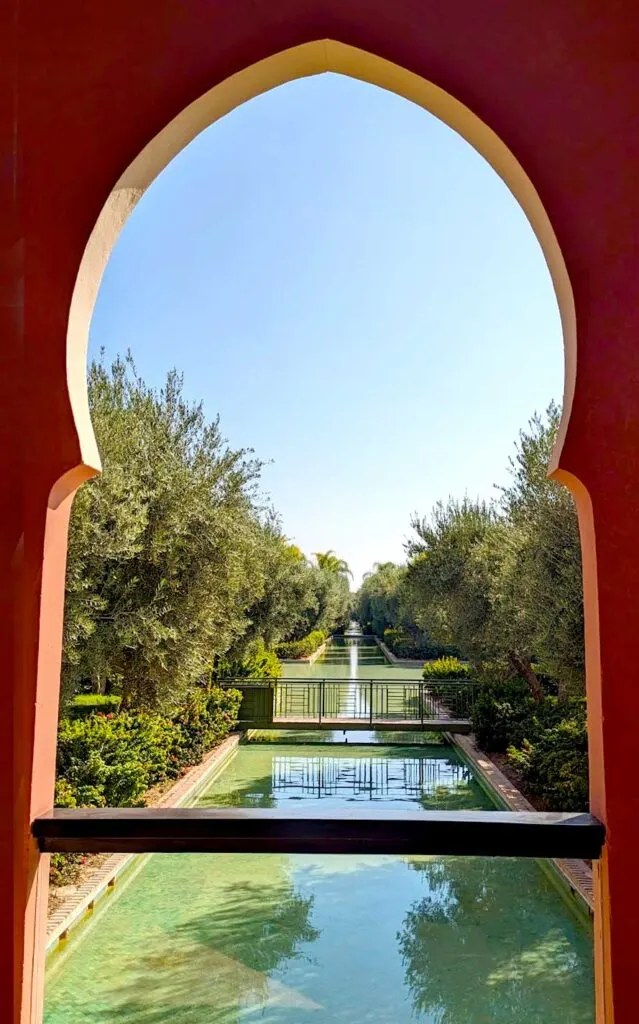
[(574, 876), (185, 790), (394, 660)]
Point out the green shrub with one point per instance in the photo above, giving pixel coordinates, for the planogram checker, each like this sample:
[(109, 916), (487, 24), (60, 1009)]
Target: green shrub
[(202, 721), (91, 704), (500, 713), (445, 668), (303, 648), (555, 766), (505, 714), (101, 762), (404, 645), (65, 868), (260, 663), (111, 760)]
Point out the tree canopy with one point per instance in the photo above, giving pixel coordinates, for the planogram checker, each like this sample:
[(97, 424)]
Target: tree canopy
[(175, 561), (500, 580)]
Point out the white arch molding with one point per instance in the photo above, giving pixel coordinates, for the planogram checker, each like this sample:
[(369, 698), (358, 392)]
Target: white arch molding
[(324, 55)]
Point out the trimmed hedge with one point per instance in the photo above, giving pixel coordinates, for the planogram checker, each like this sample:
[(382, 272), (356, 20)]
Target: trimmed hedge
[(404, 645), (91, 704), (303, 648), (445, 668)]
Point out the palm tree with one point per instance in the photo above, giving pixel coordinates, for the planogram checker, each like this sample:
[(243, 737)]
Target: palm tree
[(329, 561)]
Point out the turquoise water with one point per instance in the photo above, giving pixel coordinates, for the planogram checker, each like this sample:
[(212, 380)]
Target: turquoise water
[(219, 939), (354, 671), (347, 658)]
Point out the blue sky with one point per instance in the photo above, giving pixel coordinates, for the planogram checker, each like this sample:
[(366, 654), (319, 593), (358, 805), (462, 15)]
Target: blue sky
[(356, 293)]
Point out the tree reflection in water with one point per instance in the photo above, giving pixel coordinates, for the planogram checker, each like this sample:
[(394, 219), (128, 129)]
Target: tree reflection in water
[(479, 949), (219, 963)]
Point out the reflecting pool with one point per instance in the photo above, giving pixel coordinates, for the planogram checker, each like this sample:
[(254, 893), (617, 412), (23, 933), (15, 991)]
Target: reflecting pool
[(219, 939)]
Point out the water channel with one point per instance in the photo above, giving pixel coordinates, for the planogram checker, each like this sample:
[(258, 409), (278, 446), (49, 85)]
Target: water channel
[(220, 939), (353, 663)]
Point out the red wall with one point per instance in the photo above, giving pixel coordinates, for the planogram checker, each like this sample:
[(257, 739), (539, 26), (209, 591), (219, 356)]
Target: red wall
[(558, 82)]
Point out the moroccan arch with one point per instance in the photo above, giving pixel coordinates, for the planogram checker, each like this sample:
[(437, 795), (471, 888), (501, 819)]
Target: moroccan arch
[(96, 89), (312, 58)]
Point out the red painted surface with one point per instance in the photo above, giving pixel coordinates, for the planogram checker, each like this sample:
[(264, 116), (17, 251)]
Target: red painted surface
[(558, 82)]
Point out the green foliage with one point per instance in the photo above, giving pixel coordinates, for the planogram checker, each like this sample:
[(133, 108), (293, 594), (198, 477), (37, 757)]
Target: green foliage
[(379, 598), (92, 703), (305, 647), (501, 715), (162, 545), (503, 581), (328, 561), (111, 760), (555, 766), (446, 668), (65, 868), (258, 663), (406, 645), (175, 566), (289, 600), (383, 606), (546, 741)]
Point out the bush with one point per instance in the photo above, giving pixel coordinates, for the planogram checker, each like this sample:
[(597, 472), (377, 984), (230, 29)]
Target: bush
[(261, 663), (303, 648), (202, 721), (505, 715), (500, 713), (555, 766), (404, 645), (445, 668), (91, 704), (111, 760)]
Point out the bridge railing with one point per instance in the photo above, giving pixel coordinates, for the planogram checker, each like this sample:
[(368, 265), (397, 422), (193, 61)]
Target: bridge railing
[(326, 702)]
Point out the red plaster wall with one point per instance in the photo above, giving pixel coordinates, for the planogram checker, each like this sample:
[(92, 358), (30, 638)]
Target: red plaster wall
[(558, 82)]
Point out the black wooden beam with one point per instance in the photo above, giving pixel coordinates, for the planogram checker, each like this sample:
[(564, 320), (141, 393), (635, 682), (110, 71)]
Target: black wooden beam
[(360, 830)]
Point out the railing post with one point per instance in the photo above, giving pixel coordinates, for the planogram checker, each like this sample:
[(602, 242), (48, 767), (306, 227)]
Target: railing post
[(370, 705), (421, 703), (321, 701)]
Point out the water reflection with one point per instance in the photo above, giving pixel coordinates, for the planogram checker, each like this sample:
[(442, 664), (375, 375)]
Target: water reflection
[(421, 777), (476, 947), (214, 965), (229, 939)]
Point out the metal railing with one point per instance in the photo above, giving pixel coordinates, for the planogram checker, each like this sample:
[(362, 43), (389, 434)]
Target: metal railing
[(314, 830), (331, 702)]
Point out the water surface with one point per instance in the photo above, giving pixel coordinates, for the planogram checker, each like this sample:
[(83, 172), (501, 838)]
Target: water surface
[(219, 939)]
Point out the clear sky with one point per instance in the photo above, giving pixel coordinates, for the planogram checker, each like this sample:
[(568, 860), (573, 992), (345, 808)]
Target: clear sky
[(357, 294)]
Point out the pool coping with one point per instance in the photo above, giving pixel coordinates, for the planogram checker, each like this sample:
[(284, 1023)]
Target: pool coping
[(417, 663), (73, 909), (312, 658), (575, 876)]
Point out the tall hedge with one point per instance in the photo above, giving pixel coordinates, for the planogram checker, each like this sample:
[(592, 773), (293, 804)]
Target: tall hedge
[(305, 647)]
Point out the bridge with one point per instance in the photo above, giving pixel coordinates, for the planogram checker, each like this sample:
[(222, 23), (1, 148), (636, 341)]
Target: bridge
[(333, 703)]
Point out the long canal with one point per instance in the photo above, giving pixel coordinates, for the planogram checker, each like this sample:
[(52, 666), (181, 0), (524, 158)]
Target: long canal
[(220, 939)]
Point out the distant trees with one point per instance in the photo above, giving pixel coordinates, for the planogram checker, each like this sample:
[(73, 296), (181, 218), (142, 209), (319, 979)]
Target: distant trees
[(329, 562), (174, 562), (382, 597), (501, 581)]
